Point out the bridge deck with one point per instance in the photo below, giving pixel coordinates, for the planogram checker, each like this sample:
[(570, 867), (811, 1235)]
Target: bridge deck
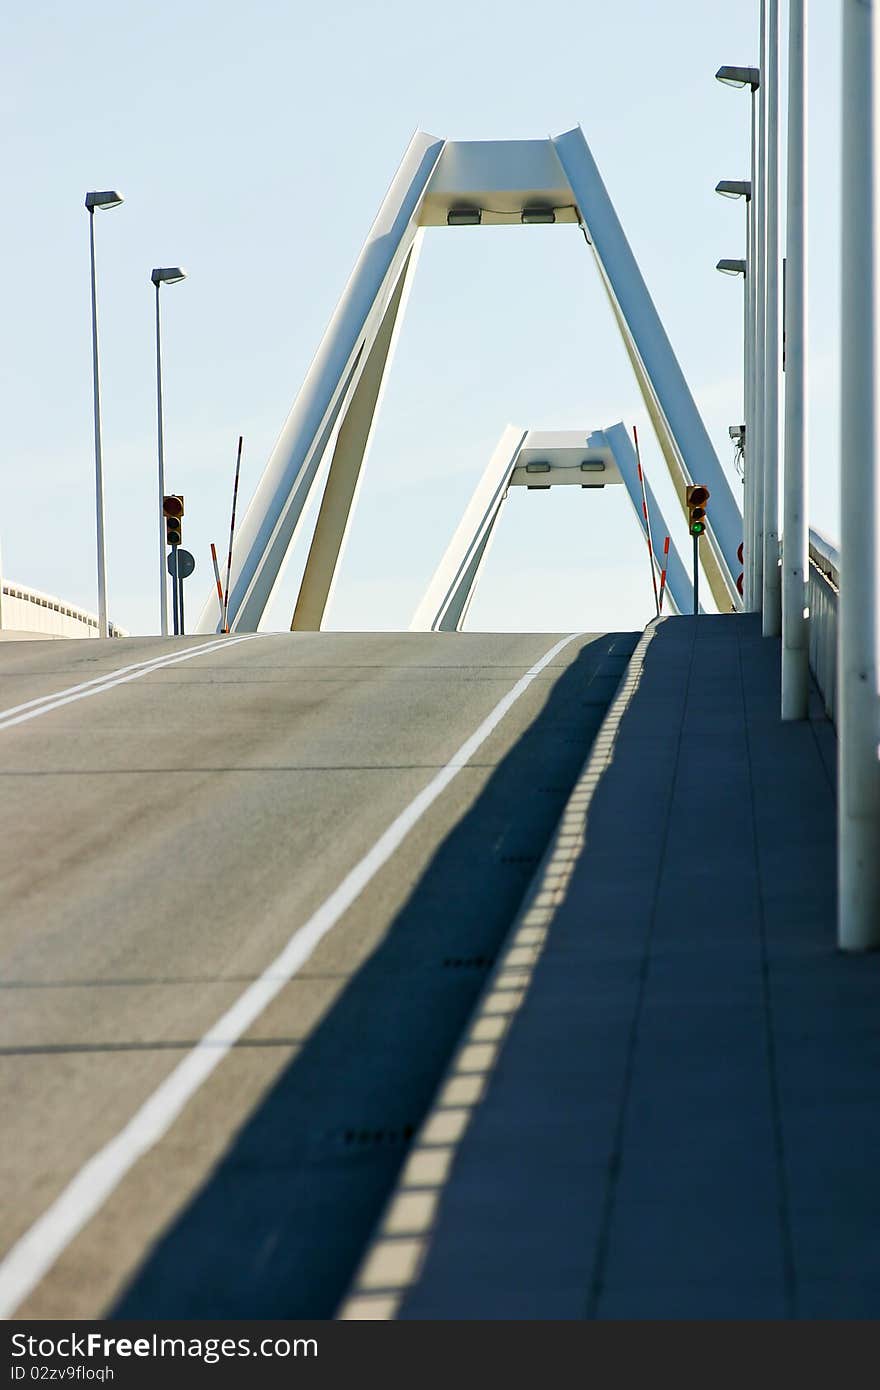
[(683, 1118)]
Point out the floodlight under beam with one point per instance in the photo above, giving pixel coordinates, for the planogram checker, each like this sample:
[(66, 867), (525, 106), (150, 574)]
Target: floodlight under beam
[(537, 216), (464, 217)]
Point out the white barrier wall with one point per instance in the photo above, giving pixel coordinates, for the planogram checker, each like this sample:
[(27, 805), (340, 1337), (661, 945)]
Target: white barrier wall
[(27, 610)]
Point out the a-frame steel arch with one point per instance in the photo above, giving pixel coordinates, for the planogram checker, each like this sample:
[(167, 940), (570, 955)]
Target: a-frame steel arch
[(333, 415)]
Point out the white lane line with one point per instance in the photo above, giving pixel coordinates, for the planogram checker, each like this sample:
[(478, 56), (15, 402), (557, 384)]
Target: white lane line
[(32, 709), (35, 1253)]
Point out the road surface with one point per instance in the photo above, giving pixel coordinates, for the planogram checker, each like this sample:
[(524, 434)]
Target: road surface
[(165, 835)]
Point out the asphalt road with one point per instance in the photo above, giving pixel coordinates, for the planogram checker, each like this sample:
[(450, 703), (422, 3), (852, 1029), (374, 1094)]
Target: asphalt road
[(160, 842)]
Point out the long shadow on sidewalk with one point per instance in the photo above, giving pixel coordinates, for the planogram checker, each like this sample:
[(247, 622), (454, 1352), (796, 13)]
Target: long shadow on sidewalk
[(278, 1228)]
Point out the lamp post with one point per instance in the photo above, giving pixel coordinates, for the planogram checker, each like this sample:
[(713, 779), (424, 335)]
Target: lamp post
[(108, 199), (742, 77), (858, 799), (795, 534), (742, 188), (162, 275)]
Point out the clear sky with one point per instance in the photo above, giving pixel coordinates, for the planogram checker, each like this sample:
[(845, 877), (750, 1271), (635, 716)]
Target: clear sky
[(254, 144)]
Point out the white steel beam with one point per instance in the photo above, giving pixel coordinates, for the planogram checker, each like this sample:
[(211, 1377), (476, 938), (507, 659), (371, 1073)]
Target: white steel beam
[(495, 181), (679, 586), (275, 514), (681, 433), (346, 467), (446, 599)]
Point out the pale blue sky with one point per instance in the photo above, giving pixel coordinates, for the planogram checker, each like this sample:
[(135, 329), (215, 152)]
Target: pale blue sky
[(254, 144)]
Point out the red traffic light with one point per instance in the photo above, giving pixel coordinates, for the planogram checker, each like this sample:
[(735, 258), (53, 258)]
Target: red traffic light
[(739, 552), (173, 505), (696, 498), (698, 495)]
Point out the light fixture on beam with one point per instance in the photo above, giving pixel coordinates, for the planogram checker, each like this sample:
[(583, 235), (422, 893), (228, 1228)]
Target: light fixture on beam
[(592, 466), (537, 468), (538, 215), (464, 217)]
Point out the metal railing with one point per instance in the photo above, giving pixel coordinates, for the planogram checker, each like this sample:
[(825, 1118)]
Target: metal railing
[(823, 590)]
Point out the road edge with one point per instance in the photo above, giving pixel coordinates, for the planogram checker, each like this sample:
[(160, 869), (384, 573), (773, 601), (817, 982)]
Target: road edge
[(396, 1252)]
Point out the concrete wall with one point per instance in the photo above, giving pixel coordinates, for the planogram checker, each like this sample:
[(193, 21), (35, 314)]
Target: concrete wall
[(27, 610)]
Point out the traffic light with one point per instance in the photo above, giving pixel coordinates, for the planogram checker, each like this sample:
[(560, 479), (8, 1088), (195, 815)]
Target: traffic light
[(696, 498), (172, 510)]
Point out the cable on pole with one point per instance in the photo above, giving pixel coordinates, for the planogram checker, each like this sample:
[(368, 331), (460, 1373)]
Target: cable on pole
[(217, 577), (663, 576), (224, 617), (647, 521)]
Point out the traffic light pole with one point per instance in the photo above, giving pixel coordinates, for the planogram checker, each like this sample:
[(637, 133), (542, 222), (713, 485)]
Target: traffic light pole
[(696, 576), (180, 593), (175, 590)]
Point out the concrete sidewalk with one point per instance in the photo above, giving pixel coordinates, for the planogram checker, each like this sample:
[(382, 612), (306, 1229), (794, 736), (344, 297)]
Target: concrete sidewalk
[(668, 1104)]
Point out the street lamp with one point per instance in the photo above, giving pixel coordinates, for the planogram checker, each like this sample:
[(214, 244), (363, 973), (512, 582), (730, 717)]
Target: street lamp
[(753, 191), (162, 275), (109, 199), (742, 188), (731, 267), (739, 77), (734, 188)]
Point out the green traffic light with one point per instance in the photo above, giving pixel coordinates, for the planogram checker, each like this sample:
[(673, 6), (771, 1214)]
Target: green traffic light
[(697, 528)]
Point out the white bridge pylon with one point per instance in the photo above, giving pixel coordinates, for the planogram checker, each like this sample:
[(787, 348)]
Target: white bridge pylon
[(539, 459), (444, 183)]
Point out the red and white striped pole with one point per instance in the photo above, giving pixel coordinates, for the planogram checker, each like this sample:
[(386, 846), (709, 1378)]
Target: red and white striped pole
[(663, 576), (647, 520), (217, 577), (224, 619)]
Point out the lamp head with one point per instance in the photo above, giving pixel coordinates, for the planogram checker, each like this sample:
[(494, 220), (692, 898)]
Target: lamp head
[(739, 77), (734, 188), (168, 275), (731, 267), (108, 199)]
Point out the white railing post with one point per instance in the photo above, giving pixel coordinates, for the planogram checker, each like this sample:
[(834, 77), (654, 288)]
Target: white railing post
[(772, 599), (760, 199), (795, 624), (859, 705), (753, 447)]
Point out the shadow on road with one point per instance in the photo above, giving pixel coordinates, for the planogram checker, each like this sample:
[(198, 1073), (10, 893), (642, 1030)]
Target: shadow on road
[(279, 1226)]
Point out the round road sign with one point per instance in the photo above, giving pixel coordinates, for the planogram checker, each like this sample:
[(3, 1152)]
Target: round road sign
[(185, 563)]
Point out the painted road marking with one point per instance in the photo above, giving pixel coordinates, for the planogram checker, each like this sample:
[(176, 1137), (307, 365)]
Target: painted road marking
[(44, 704), (31, 1258)]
